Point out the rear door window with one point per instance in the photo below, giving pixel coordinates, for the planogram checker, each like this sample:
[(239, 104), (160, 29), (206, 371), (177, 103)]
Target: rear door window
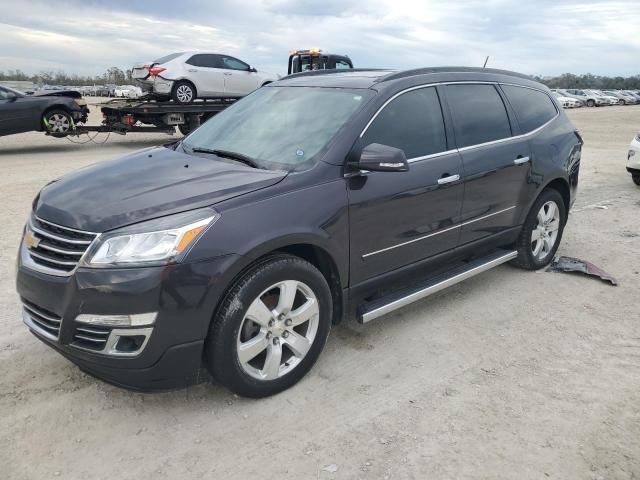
[(412, 122), (205, 60), (479, 113), (533, 108)]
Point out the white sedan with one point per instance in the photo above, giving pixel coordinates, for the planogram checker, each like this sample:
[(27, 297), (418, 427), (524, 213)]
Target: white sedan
[(567, 102), (186, 76), (633, 159)]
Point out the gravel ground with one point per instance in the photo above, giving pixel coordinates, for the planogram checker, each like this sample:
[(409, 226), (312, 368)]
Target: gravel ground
[(511, 374)]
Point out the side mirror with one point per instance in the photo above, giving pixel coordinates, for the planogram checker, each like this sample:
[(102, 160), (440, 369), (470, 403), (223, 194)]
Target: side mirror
[(253, 70), (376, 157)]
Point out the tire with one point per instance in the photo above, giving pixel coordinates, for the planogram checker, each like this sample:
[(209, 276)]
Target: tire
[(536, 254), (183, 92), (255, 352), (58, 123), (184, 129), (591, 103), (636, 179)]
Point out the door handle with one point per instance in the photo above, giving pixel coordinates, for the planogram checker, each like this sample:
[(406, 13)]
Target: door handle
[(227, 73), (449, 179), (521, 160)]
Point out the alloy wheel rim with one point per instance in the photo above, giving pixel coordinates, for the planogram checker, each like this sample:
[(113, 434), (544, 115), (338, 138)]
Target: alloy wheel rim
[(184, 93), (58, 123), (545, 235), (278, 330)]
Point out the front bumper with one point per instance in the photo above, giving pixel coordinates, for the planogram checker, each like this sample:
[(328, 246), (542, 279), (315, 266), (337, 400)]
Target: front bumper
[(184, 295), (633, 157)]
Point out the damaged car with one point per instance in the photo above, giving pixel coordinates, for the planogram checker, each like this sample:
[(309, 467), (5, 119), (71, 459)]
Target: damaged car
[(55, 112)]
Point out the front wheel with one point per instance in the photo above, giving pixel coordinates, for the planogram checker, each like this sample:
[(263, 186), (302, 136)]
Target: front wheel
[(636, 179), (270, 328), (591, 103), (542, 231)]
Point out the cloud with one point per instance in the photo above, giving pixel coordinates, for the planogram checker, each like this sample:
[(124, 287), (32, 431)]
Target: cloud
[(547, 38)]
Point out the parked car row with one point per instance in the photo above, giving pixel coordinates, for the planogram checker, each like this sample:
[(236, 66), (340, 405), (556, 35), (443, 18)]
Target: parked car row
[(570, 98)]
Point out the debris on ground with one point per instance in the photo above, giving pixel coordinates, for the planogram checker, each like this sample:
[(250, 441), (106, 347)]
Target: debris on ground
[(333, 468), (575, 265)]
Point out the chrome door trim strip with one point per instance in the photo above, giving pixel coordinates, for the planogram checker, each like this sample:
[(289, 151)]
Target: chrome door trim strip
[(437, 233)]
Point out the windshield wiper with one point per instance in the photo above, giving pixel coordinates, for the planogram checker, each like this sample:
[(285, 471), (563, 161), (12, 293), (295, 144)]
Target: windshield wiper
[(239, 157)]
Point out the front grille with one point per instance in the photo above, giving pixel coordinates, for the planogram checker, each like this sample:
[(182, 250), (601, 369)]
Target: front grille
[(56, 247), (44, 320), (91, 337)]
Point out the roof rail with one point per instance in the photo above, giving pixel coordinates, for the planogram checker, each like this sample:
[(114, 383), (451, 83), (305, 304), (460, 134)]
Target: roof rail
[(330, 71), (423, 71)]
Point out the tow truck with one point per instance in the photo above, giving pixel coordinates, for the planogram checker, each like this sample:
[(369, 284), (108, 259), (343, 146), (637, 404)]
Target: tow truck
[(315, 59), (123, 116)]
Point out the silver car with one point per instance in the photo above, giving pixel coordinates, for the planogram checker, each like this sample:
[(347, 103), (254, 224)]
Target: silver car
[(185, 76)]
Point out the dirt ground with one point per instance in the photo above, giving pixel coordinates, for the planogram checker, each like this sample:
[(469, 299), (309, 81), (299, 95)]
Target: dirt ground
[(509, 375)]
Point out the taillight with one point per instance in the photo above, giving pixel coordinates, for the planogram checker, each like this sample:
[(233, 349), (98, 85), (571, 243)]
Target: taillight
[(155, 71), (128, 120)]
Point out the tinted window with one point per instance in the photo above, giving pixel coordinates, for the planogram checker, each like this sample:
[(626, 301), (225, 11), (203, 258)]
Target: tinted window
[(234, 64), (533, 108), (479, 113), (205, 60), (341, 64), (412, 122)]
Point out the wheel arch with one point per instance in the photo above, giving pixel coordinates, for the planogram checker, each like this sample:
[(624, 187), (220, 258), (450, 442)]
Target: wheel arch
[(311, 251), (55, 106), (562, 186), (185, 80)]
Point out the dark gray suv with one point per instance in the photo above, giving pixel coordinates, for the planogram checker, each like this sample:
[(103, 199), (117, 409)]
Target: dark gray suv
[(322, 196)]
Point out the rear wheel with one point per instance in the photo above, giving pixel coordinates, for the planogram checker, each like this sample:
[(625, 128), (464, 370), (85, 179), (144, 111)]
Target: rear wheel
[(591, 103), (542, 231), (183, 92), (58, 123), (270, 328)]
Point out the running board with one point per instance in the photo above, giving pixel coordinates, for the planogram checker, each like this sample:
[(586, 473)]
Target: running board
[(389, 303)]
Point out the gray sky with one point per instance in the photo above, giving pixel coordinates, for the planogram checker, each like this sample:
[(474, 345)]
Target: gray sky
[(538, 37)]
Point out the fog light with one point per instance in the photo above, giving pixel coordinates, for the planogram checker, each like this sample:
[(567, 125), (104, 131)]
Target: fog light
[(136, 320), (131, 343)]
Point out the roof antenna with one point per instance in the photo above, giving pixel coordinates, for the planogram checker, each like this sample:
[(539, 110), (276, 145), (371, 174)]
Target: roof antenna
[(486, 60)]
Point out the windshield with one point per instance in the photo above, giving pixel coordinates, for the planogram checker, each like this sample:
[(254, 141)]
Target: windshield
[(280, 127)]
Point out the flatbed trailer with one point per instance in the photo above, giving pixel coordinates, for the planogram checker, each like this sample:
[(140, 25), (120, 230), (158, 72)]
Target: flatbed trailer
[(123, 116)]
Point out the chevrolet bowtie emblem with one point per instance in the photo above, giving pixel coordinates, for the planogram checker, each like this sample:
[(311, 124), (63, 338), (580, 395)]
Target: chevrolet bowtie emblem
[(31, 240)]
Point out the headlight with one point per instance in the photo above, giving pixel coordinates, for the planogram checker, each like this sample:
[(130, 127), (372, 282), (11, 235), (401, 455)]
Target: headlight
[(158, 241)]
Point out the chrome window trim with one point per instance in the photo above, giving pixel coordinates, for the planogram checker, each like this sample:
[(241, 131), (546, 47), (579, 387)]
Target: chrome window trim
[(469, 147), (433, 234)]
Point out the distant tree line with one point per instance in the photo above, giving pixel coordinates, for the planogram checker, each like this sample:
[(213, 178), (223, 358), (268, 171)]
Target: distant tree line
[(569, 80), (119, 77), (112, 75)]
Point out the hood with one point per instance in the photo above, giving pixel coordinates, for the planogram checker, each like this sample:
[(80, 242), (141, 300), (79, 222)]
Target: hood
[(58, 93), (145, 185)]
